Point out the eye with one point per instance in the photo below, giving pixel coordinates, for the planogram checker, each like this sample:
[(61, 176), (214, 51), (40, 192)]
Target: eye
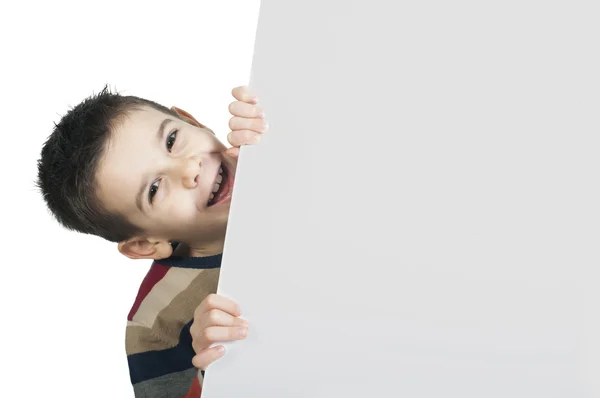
[(171, 140), (153, 190)]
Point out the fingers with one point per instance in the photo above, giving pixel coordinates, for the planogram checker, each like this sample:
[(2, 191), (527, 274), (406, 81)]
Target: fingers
[(220, 318), (233, 152), (215, 301), (245, 132), (243, 137), (248, 121), (256, 125), (217, 334), (216, 320), (242, 93), (203, 359), (243, 109)]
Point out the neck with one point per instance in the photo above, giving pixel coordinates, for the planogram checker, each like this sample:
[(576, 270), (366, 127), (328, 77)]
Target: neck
[(204, 249)]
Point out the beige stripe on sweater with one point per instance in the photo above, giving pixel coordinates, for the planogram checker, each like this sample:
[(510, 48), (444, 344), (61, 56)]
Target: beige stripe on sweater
[(162, 294), (167, 323)]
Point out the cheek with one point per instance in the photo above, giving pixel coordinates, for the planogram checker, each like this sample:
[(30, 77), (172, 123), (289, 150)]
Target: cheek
[(180, 210)]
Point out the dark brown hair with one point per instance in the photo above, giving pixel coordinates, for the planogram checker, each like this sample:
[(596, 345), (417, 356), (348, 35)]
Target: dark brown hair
[(69, 161)]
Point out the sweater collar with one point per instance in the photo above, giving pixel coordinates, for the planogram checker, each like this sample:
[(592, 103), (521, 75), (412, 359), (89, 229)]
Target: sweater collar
[(192, 262)]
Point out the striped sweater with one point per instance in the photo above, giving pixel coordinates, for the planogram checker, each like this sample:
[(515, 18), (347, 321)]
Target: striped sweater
[(158, 341)]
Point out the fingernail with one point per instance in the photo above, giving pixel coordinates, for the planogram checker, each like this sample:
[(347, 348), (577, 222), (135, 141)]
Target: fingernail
[(245, 323), (242, 332), (265, 126), (261, 114), (221, 350), (256, 139)]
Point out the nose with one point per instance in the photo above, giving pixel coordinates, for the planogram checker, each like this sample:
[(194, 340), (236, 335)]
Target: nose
[(189, 173)]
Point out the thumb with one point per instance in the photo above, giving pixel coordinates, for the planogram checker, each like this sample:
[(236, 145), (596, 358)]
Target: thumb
[(203, 360), (233, 152)]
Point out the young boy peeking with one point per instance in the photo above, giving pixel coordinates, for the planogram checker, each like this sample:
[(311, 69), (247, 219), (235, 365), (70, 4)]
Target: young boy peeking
[(158, 183)]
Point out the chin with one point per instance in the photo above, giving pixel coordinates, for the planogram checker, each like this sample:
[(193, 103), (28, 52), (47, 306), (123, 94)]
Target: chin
[(215, 231)]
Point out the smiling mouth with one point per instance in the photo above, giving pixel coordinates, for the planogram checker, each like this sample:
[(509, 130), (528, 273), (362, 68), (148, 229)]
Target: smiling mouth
[(221, 189)]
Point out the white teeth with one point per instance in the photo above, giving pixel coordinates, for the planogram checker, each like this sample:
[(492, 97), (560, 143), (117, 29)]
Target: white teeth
[(217, 185)]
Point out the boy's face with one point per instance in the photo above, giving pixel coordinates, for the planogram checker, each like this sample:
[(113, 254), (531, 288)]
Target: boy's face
[(168, 177)]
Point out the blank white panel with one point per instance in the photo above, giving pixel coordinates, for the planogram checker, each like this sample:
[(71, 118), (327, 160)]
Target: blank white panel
[(422, 218)]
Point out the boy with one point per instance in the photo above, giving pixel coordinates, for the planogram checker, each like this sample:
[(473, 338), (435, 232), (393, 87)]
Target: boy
[(158, 183)]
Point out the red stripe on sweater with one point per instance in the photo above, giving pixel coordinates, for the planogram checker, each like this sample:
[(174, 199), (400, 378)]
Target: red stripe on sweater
[(195, 390), (154, 275)]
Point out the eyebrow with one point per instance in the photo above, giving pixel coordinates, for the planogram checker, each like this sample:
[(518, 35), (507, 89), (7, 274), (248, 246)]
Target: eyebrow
[(140, 194), (161, 129)]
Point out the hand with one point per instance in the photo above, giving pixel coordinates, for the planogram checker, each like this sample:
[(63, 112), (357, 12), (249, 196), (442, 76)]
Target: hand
[(215, 320), (248, 122)]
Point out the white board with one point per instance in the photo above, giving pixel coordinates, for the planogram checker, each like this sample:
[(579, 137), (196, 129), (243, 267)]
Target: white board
[(422, 219)]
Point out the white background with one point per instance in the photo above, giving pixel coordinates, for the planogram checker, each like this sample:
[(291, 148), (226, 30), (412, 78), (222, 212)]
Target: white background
[(66, 296)]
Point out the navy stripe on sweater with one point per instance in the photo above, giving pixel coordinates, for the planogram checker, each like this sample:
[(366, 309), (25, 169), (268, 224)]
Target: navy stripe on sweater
[(192, 262), (148, 365)]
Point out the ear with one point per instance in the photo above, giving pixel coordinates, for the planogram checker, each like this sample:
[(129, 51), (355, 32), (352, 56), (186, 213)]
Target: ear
[(140, 248), (189, 118)]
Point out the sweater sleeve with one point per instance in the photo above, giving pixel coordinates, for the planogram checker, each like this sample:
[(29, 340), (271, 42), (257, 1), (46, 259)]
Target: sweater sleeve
[(158, 339), (156, 372)]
